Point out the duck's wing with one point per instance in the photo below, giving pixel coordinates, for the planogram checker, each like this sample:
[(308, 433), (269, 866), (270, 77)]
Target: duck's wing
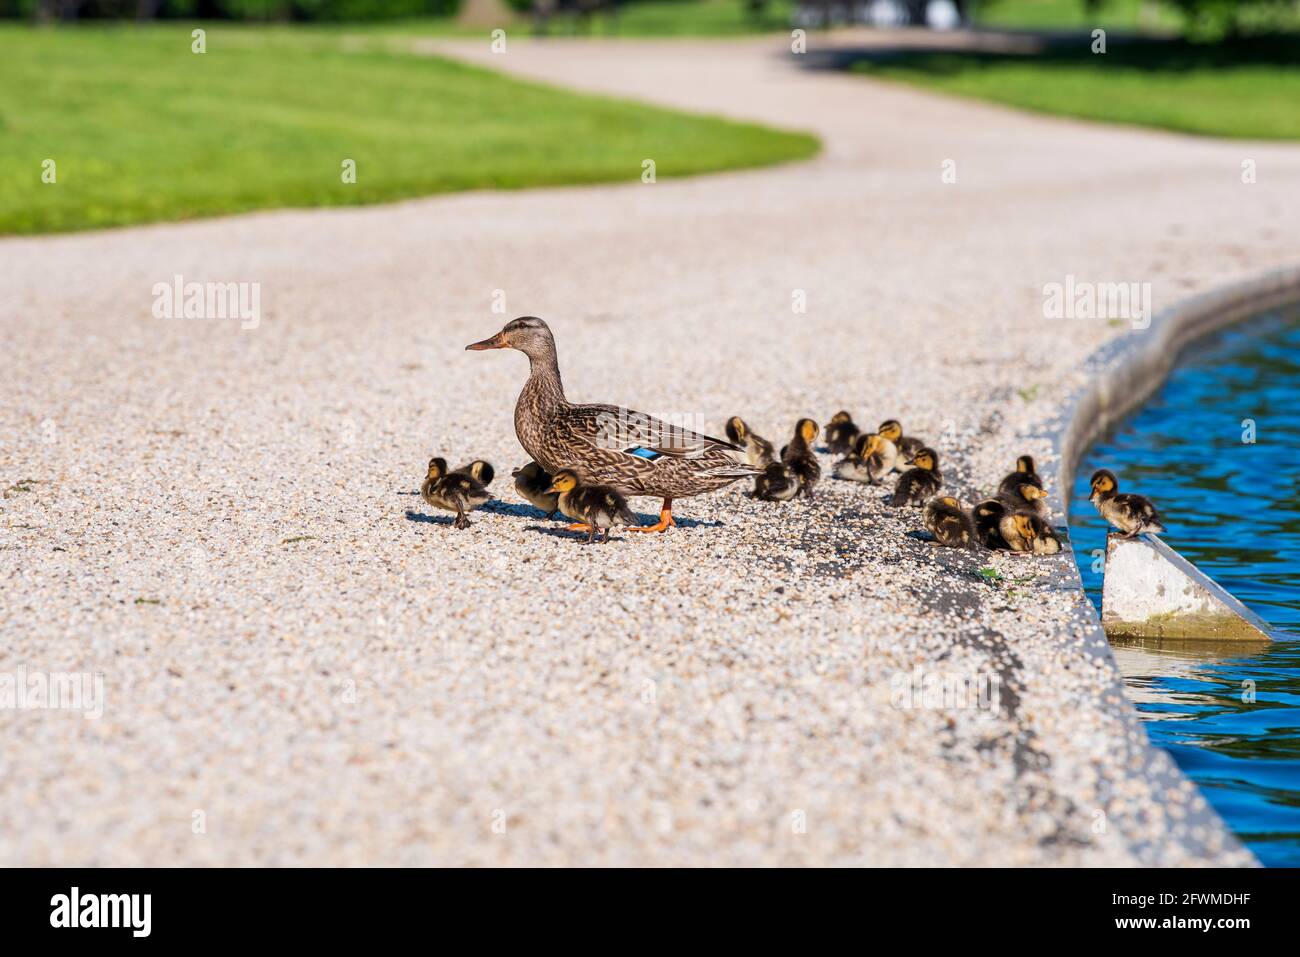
[(626, 430)]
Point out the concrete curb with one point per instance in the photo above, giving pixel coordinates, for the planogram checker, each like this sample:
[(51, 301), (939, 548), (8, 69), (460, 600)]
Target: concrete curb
[(1122, 375)]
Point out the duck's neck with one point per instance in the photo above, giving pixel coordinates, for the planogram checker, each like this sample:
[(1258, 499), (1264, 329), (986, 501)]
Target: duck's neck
[(544, 387)]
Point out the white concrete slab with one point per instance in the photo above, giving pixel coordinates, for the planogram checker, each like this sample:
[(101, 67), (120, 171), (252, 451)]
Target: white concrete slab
[(1151, 591)]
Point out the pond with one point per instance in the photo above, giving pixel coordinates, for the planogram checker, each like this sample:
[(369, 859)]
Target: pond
[(1218, 450)]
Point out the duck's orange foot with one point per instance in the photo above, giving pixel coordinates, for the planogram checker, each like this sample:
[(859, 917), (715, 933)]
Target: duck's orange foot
[(665, 521), (578, 527)]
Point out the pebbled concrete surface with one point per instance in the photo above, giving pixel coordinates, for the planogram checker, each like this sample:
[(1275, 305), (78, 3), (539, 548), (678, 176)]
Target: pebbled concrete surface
[(223, 521)]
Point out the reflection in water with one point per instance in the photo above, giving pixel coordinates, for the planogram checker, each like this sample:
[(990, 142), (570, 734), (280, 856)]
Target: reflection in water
[(1233, 508)]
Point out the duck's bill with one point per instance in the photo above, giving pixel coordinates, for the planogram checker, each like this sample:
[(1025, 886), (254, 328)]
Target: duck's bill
[(492, 342), (552, 491)]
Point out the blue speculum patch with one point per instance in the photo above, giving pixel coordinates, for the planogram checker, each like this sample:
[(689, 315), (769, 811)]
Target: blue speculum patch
[(641, 453)]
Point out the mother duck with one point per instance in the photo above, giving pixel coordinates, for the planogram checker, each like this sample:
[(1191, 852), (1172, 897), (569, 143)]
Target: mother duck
[(606, 444)]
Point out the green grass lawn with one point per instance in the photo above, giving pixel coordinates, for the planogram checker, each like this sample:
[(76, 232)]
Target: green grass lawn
[(1071, 15), (141, 129), (1245, 89)]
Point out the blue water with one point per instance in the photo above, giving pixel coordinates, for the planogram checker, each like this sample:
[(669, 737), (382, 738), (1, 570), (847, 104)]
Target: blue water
[(1233, 508)]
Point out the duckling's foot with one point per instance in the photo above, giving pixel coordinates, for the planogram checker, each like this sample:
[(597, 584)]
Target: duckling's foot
[(665, 520), (579, 527), (461, 521)]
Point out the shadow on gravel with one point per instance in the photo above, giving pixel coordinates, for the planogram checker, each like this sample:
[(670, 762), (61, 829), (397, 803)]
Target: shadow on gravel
[(430, 519), (496, 507)]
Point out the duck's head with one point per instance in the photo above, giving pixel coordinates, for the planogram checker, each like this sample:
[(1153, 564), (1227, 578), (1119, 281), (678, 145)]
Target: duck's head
[(1025, 465), (737, 429), (563, 481), (807, 430), (1030, 493), (528, 334), (437, 468), (990, 508), (483, 472), (1024, 525), (866, 444), (950, 501), (927, 459), (890, 429), (841, 418), (1103, 484)]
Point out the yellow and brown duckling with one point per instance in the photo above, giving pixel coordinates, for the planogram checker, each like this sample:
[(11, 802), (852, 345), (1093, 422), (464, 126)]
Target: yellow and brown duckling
[(800, 458), (871, 459), (776, 484), (907, 445), (1026, 533), (534, 483), (841, 433), (1131, 514), (948, 522), (595, 508), (480, 471), (453, 491), (758, 450), (1025, 497), (921, 482), (1025, 473), (988, 518)]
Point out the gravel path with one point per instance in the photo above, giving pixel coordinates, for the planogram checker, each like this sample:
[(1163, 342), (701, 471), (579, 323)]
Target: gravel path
[(303, 666)]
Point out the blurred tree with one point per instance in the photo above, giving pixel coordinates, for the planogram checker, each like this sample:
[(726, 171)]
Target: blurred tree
[(1213, 19)]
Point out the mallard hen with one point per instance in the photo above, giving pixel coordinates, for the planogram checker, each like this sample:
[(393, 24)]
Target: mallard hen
[(629, 451)]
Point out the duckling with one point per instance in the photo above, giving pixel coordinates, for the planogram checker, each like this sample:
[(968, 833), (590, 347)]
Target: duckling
[(1025, 532), (1024, 474), (948, 522), (758, 450), (532, 482), (853, 467), (988, 515), (870, 461), (800, 458), (1025, 498), (840, 433), (776, 484), (883, 454), (480, 471), (1046, 541), (921, 481), (1131, 514), (907, 445), (452, 491), (594, 507)]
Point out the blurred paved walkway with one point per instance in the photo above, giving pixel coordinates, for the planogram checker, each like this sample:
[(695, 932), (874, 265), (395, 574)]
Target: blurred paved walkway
[(220, 519)]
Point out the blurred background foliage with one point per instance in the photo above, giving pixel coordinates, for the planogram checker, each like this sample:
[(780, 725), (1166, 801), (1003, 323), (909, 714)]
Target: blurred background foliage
[(253, 10), (1205, 19)]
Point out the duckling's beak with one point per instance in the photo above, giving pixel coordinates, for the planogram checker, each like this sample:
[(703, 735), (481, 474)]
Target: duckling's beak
[(552, 491), (499, 341)]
